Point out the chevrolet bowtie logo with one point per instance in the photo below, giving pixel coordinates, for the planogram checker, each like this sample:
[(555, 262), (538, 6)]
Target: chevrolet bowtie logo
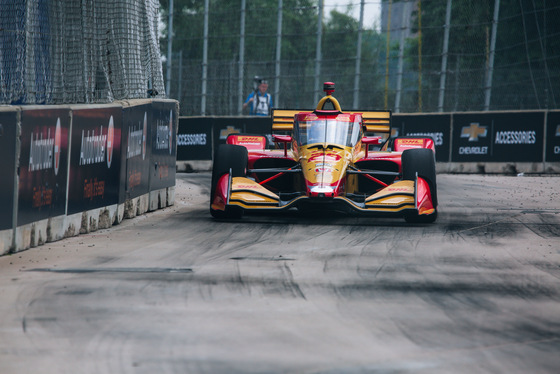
[(227, 131), (473, 132)]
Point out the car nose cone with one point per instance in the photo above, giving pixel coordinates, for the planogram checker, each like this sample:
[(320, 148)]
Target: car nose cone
[(321, 191)]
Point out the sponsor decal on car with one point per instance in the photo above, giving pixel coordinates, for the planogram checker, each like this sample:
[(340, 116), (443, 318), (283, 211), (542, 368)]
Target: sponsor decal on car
[(397, 189), (246, 186), (437, 136), (249, 138), (411, 141), (403, 144)]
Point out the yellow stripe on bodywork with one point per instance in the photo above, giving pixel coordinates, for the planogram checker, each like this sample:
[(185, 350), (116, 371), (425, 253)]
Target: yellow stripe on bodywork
[(249, 191), (396, 200), (397, 195), (252, 198)]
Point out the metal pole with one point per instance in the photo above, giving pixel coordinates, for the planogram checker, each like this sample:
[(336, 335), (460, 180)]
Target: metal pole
[(420, 55), (204, 59), (490, 69), (318, 53), (387, 52), (278, 54), (241, 71), (405, 25), (180, 77), (169, 47), (445, 53), (358, 58)]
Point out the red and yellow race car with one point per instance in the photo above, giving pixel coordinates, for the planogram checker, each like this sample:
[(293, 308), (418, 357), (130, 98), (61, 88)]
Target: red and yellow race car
[(323, 161)]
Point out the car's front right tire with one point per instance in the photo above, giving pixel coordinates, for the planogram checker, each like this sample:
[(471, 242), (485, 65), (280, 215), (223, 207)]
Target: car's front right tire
[(421, 161)]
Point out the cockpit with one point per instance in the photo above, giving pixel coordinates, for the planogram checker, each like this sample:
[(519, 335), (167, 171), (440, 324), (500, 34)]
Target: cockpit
[(343, 129)]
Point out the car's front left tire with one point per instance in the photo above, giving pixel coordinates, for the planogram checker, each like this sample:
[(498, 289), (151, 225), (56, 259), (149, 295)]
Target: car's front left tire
[(229, 157)]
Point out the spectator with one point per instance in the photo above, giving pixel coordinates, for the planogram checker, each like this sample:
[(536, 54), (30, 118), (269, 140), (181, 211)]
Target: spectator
[(259, 101)]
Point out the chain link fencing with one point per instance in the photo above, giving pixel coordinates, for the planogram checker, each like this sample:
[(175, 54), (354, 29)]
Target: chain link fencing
[(66, 52), (505, 60)]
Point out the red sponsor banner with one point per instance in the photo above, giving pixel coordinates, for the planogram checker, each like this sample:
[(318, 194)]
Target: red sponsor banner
[(163, 135), (43, 167), (137, 150), (95, 160)]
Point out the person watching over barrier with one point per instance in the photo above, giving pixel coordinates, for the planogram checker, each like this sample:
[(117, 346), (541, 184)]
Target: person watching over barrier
[(259, 101)]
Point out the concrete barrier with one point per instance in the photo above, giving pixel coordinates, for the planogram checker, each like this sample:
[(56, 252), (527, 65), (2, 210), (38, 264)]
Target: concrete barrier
[(83, 168)]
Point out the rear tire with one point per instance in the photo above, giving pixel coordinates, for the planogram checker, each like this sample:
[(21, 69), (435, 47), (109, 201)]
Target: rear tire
[(228, 157), (423, 162)]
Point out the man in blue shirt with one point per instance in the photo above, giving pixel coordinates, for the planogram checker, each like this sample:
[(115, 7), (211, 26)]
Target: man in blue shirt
[(260, 101)]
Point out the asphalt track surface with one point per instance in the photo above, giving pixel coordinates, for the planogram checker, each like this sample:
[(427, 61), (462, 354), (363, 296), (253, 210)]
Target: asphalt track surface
[(177, 292)]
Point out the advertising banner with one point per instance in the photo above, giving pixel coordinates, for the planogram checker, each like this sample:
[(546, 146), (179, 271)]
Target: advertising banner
[(164, 144), (43, 164), (436, 126), (553, 137), (194, 139), (95, 159), (8, 134), (498, 137), (136, 142)]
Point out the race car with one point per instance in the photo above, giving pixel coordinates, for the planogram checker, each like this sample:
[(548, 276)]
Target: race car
[(327, 160)]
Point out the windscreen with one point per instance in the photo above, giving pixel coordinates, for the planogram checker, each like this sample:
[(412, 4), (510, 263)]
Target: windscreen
[(331, 131)]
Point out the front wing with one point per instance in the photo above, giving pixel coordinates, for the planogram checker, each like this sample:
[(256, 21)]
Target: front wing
[(394, 200)]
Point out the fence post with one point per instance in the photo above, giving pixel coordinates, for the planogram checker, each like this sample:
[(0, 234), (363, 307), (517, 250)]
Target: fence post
[(420, 55), (444, 54), (358, 58), (387, 52), (490, 68), (180, 89), (318, 53), (240, 71), (278, 54), (204, 59), (169, 48), (405, 24)]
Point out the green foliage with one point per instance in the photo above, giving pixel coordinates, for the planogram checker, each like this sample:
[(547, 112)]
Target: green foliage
[(298, 49)]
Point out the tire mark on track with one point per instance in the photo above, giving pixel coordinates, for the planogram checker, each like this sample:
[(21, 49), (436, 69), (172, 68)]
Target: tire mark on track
[(290, 283)]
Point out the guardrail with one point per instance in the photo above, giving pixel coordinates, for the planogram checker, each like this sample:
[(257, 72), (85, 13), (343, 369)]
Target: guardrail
[(78, 168)]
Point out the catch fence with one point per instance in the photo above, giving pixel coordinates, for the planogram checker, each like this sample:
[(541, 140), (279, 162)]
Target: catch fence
[(67, 52), (414, 56)]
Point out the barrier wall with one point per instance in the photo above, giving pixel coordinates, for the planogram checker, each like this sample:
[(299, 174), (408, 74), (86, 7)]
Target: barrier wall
[(477, 142), (74, 169)]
